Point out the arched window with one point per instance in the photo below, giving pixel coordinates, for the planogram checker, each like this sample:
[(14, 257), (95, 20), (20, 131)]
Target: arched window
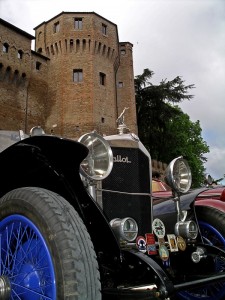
[(84, 44), (20, 54), (5, 48), (71, 44)]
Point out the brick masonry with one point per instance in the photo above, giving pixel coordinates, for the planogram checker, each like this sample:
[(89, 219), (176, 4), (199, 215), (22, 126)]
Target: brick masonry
[(37, 87)]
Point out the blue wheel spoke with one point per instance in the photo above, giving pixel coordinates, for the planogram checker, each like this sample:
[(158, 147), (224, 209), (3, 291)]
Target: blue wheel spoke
[(32, 292), (212, 235), (26, 260)]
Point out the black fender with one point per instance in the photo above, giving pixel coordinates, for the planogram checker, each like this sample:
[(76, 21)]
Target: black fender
[(53, 163), (165, 208)]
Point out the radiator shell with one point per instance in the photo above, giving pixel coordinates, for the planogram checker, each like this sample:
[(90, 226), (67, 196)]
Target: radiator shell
[(127, 190)]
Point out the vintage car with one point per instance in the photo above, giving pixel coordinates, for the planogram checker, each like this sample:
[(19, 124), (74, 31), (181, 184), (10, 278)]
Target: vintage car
[(76, 222)]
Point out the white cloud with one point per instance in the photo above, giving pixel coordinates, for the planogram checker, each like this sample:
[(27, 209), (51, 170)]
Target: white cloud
[(216, 164)]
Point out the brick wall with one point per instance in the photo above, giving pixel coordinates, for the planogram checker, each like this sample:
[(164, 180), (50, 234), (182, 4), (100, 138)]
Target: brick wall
[(23, 87)]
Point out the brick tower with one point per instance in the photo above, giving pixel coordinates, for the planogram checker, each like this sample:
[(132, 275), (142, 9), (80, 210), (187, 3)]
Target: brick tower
[(80, 76)]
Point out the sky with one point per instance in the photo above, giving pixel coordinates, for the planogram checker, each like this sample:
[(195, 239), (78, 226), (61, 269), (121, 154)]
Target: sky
[(170, 37)]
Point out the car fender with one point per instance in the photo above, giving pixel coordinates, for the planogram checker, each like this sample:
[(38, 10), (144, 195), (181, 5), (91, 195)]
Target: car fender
[(53, 163), (165, 208), (211, 203)]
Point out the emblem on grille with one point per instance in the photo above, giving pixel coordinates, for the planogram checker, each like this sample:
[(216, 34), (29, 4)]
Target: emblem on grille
[(121, 159)]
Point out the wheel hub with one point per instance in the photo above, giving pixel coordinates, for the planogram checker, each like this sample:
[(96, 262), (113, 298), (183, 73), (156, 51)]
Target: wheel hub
[(5, 288)]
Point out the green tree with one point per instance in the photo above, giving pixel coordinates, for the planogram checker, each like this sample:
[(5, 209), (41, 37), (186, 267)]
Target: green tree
[(163, 128), (183, 137)]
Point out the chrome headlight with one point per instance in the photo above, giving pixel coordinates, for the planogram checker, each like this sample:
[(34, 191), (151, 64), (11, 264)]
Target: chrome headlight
[(99, 162), (178, 175), (125, 229), (188, 229), (36, 130)]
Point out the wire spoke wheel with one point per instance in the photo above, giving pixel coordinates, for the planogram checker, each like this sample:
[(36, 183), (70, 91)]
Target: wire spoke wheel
[(211, 235), (26, 263)]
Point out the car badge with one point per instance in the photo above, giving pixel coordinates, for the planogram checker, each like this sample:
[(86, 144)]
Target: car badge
[(163, 253), (172, 242), (158, 228), (141, 244), (181, 244), (150, 241), (161, 241)]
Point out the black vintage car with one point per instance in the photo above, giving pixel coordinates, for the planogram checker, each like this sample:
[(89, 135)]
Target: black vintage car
[(76, 222)]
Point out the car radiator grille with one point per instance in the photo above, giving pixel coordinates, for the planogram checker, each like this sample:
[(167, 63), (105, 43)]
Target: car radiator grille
[(130, 174)]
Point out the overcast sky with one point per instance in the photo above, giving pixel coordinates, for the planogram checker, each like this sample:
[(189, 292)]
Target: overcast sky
[(169, 37)]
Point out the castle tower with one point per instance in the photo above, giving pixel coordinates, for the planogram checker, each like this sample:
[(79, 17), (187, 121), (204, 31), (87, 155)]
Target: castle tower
[(85, 72), (78, 79), (125, 86)]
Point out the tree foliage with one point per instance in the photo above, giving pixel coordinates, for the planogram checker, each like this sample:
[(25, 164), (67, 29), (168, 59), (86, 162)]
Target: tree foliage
[(184, 138), (163, 128)]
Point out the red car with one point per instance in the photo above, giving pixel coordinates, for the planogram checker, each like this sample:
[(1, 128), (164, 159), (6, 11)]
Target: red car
[(209, 207)]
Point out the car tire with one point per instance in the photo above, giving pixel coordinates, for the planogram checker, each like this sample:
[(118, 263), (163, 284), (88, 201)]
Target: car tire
[(46, 251)]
